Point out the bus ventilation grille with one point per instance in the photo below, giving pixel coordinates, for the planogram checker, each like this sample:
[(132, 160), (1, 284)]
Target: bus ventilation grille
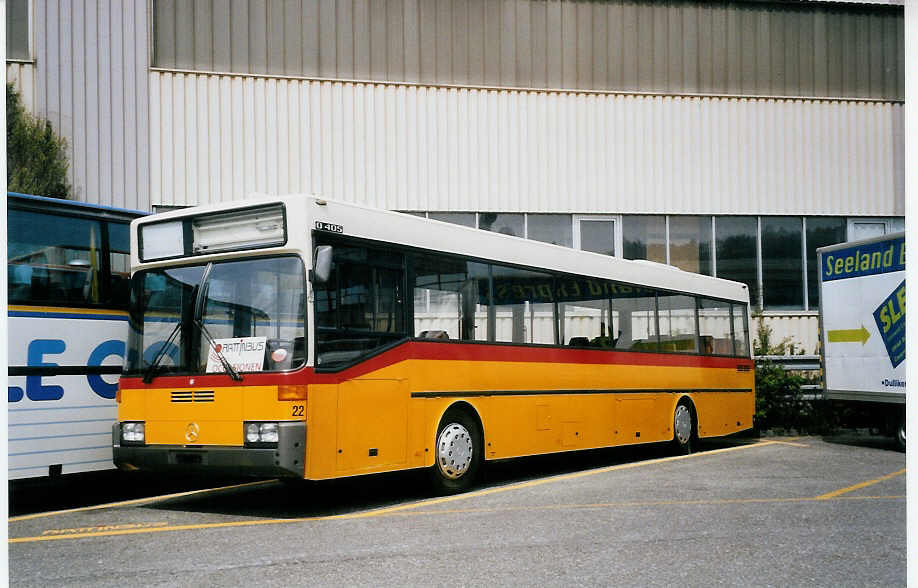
[(193, 396), (744, 368)]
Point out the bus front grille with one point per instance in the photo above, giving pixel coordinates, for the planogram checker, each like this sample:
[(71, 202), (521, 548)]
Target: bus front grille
[(193, 396)]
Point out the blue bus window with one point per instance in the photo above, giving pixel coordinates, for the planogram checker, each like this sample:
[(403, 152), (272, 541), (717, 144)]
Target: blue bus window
[(53, 259)]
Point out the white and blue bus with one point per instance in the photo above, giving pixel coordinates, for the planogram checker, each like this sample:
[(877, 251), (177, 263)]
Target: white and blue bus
[(68, 271)]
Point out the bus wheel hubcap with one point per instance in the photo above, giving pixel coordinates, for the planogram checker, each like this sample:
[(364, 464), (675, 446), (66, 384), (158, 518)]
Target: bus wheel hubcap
[(454, 450), (683, 424)]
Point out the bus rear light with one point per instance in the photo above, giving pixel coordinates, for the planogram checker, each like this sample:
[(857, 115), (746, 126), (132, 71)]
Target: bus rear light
[(292, 392), (118, 395)]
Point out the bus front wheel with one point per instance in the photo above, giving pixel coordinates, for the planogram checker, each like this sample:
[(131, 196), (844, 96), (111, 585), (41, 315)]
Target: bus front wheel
[(684, 431), (457, 454)]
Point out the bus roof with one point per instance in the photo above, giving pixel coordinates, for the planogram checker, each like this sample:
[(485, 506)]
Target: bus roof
[(82, 206), (428, 234)]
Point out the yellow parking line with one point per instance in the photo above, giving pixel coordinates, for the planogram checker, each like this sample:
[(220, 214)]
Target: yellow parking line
[(387, 510), (561, 478), (136, 501), (161, 526), (860, 485), (791, 443), (605, 505)]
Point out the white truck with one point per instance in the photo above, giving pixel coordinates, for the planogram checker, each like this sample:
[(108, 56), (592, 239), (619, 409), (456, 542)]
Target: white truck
[(862, 328)]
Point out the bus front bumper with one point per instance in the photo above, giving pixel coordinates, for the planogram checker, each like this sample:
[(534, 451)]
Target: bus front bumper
[(286, 460)]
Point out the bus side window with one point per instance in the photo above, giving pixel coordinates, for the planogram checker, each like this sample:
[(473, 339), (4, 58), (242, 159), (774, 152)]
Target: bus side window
[(714, 327), (740, 330), (19, 282), (523, 305), (635, 308), (450, 298), (62, 255), (119, 241), (361, 306), (676, 317)]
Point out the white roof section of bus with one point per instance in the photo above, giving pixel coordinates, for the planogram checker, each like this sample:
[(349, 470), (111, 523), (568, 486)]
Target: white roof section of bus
[(429, 234), (435, 235)]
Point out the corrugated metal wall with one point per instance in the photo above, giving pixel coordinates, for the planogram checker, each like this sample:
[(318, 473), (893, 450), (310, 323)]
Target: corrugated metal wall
[(422, 148), (23, 76), (90, 79), (801, 329), (676, 46)]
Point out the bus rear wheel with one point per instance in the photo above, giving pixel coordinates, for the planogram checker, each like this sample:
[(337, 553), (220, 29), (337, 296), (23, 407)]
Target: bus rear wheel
[(684, 428), (458, 453)]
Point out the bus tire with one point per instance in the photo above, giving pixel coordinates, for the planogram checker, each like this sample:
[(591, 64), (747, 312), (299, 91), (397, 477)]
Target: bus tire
[(685, 428), (900, 431), (458, 452)]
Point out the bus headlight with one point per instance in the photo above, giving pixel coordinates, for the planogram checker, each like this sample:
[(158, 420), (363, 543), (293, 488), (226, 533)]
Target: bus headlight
[(261, 434), (133, 433)]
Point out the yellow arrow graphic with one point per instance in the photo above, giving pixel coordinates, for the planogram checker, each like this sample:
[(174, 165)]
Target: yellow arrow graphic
[(849, 335)]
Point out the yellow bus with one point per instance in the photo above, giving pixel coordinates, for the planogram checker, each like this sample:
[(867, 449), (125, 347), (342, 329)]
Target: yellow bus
[(300, 337)]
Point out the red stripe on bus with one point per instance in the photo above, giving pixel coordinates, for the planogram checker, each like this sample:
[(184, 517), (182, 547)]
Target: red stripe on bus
[(421, 350)]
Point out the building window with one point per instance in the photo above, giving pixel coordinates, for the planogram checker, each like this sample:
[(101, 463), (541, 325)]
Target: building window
[(550, 228), (775, 256), (596, 235), (736, 252), (506, 224), (466, 219), (690, 240), (820, 232), (644, 237), (782, 262), (17, 30)]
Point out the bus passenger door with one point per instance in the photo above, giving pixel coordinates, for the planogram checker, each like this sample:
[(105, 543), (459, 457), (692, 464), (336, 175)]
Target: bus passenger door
[(372, 424)]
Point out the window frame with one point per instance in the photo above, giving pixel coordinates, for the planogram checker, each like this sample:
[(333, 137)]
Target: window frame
[(615, 219)]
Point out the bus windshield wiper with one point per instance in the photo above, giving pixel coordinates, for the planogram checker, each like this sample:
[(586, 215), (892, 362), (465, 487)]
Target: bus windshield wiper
[(148, 375), (213, 345)]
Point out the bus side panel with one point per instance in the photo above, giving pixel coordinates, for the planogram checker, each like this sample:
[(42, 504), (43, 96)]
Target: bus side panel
[(642, 418), (724, 413), (529, 423), (364, 425), (59, 419), (321, 431), (372, 427), (348, 420)]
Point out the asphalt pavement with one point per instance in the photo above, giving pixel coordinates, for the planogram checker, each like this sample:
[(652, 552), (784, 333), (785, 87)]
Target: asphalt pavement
[(770, 512)]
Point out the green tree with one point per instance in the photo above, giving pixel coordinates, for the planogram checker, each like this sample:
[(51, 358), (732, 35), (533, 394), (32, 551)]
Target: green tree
[(779, 403), (36, 158)]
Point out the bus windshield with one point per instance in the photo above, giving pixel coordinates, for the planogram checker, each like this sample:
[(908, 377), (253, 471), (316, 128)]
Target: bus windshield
[(248, 316)]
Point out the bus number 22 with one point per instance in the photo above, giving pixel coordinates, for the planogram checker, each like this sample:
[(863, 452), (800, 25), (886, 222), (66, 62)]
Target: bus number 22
[(297, 410)]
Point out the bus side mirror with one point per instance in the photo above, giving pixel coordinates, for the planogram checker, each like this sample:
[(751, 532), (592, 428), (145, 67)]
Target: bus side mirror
[(322, 264)]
